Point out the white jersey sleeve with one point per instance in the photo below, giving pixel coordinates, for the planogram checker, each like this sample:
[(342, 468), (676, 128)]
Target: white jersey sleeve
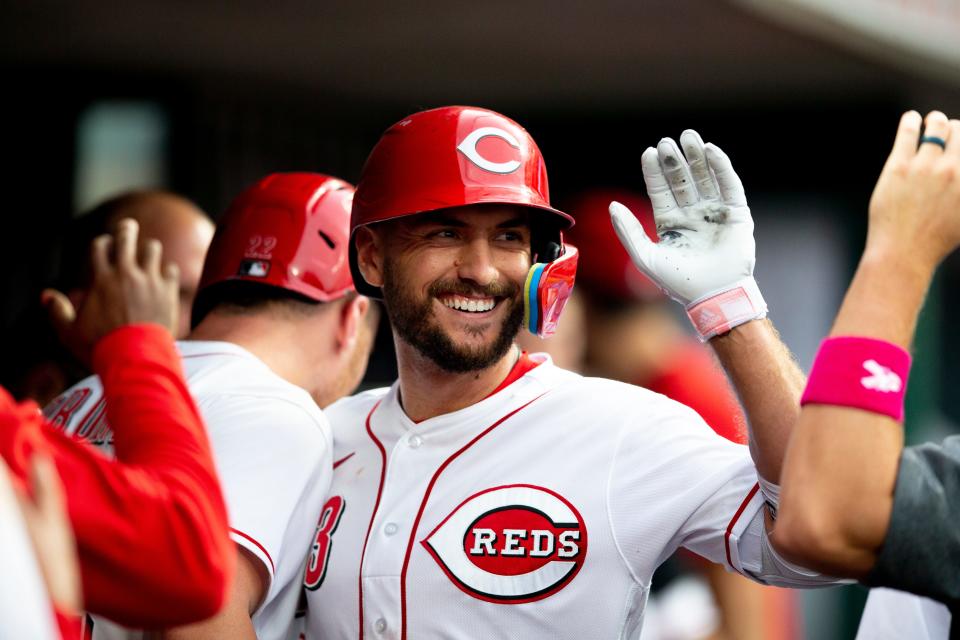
[(274, 461), (707, 499)]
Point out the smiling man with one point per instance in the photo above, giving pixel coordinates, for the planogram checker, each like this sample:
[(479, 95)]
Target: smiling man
[(465, 321), (489, 493)]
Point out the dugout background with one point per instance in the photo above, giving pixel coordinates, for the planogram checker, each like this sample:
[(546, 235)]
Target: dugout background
[(204, 97)]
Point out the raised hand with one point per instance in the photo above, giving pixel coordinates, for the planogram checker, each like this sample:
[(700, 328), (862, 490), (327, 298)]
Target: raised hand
[(915, 207), (128, 287), (706, 253)]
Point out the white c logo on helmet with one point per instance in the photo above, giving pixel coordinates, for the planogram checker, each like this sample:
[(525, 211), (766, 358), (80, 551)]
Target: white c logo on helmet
[(510, 544), (469, 148)]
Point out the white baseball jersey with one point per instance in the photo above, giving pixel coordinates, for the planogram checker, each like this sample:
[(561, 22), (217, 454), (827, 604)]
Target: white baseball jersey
[(540, 512), (272, 449), (891, 615)]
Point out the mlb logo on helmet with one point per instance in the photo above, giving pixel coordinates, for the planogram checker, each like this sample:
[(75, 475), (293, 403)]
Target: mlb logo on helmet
[(510, 544), (254, 268)]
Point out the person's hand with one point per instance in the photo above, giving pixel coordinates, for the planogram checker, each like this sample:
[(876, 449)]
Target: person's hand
[(45, 516), (706, 250), (915, 207), (128, 287)]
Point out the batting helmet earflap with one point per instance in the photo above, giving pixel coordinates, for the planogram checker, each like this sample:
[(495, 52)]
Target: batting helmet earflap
[(453, 157), (288, 230)]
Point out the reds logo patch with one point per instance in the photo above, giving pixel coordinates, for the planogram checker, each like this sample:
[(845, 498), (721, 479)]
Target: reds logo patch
[(511, 544)]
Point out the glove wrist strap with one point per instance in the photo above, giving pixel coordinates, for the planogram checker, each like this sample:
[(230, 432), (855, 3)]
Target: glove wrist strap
[(720, 311)]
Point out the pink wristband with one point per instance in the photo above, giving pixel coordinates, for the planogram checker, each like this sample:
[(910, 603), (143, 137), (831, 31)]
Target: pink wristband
[(862, 373)]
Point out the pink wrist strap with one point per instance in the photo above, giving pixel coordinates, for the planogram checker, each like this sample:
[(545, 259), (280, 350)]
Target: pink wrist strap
[(720, 312), (862, 373)]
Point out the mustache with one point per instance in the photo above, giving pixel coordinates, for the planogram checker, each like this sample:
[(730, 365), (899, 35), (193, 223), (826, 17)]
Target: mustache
[(460, 287)]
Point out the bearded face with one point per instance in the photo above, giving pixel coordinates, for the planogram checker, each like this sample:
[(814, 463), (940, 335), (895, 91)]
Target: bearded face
[(452, 283), (414, 320)]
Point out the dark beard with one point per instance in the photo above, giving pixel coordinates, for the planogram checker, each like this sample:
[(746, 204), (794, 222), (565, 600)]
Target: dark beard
[(412, 320)]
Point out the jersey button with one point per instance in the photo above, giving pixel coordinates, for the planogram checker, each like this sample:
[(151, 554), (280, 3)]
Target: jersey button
[(380, 625), (415, 442), (390, 528)]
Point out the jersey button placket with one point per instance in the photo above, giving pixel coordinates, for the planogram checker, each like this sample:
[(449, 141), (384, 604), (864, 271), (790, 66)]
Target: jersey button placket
[(415, 441)]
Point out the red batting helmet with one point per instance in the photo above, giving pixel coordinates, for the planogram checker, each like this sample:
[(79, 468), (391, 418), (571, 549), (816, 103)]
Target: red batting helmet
[(452, 157), (605, 267), (289, 230)]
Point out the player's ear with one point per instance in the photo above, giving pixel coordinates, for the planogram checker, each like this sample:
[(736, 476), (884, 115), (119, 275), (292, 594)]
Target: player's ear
[(369, 246), (352, 313)]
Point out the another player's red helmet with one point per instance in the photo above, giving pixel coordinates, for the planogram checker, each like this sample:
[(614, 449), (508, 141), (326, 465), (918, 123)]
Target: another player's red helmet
[(451, 157), (289, 230), (605, 266)]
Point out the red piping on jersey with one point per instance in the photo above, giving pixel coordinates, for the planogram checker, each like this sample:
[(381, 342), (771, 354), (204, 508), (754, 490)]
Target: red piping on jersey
[(376, 505), (423, 504), (733, 521), (342, 460), (273, 569)]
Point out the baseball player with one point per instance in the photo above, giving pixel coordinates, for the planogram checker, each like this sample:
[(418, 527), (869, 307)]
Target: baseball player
[(278, 331), (488, 493)]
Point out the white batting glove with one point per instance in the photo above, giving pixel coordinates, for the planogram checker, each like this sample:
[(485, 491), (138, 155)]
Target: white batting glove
[(706, 252)]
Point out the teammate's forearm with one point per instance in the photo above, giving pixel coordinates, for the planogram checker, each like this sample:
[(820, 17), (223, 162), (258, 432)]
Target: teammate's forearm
[(884, 298), (834, 514), (769, 383)]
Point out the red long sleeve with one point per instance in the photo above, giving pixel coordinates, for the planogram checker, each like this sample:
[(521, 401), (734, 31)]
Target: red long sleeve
[(151, 526)]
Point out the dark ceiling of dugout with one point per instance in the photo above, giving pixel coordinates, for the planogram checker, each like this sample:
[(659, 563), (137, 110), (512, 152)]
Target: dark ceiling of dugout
[(531, 54)]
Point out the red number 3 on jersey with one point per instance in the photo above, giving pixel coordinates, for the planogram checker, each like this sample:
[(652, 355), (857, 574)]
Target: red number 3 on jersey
[(320, 551)]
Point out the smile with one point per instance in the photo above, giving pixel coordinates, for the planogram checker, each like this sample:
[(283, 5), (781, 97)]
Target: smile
[(470, 305)]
